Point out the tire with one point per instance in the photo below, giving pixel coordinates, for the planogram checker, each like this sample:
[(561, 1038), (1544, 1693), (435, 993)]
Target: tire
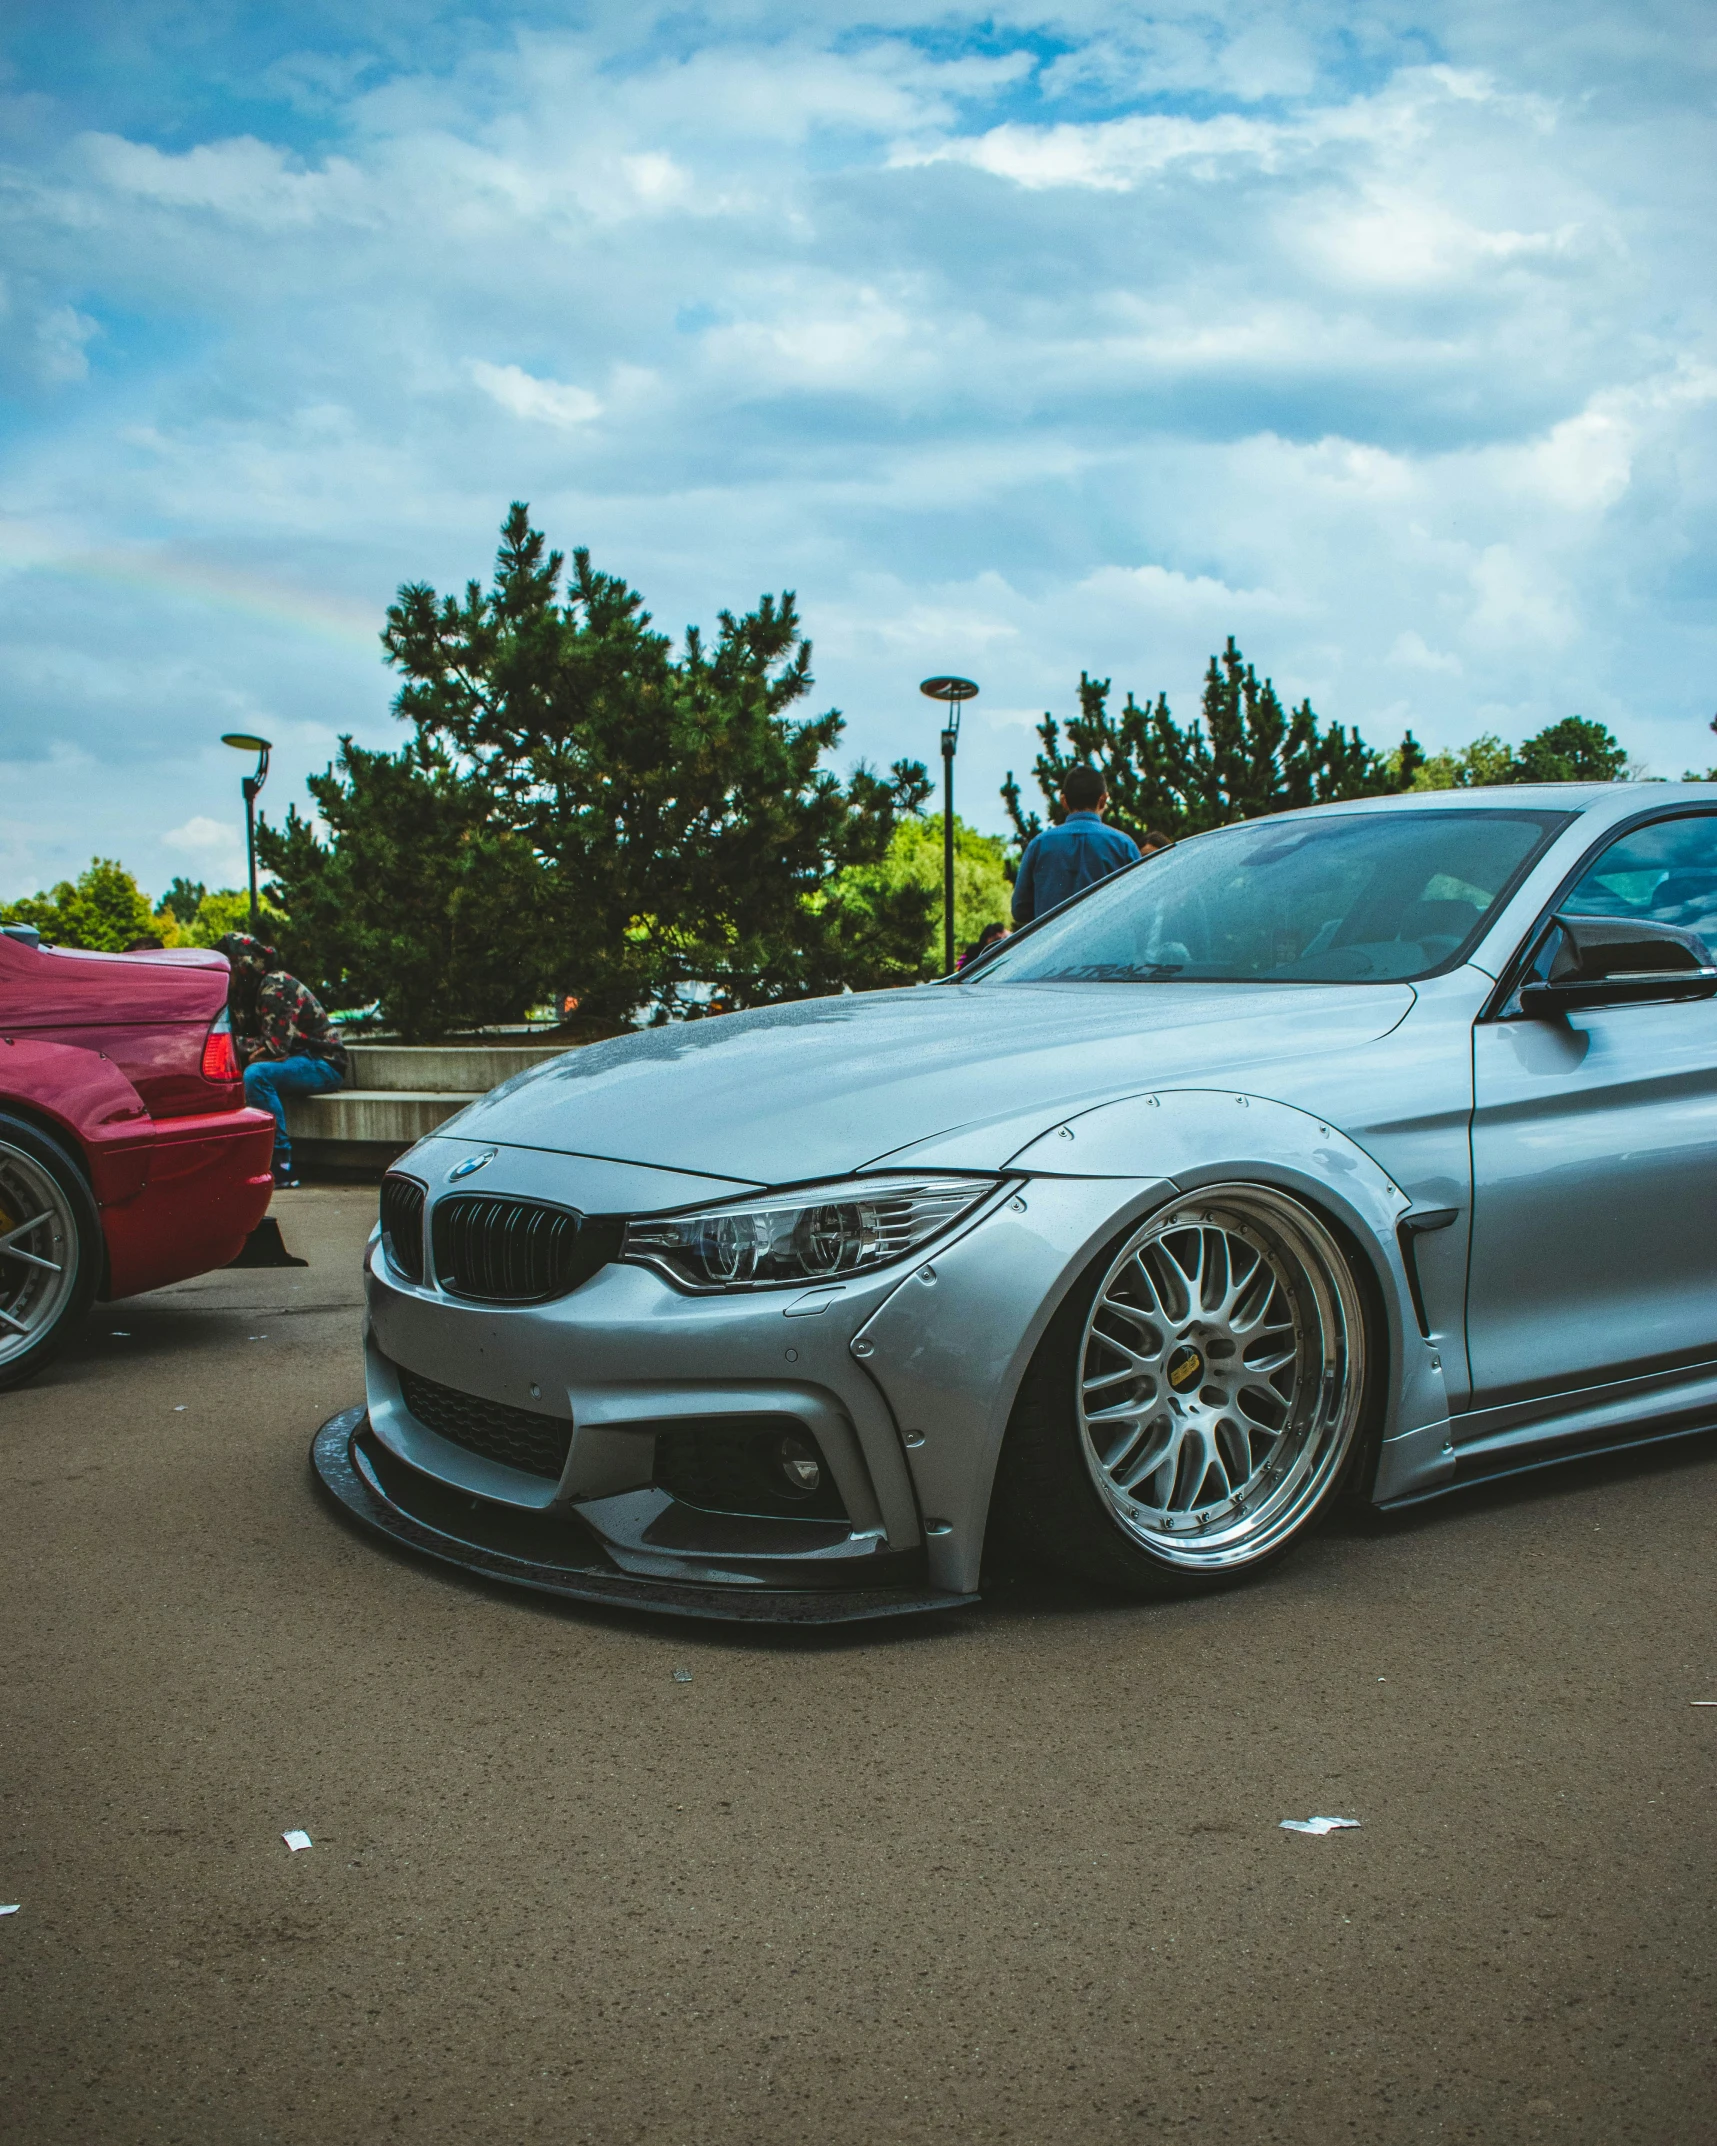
[(50, 1249), (1196, 1403)]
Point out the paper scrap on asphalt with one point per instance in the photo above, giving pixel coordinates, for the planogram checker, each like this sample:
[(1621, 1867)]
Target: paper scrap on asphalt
[(12, 1910), (682, 1676), (1702, 1702), (296, 1840), (1316, 1825)]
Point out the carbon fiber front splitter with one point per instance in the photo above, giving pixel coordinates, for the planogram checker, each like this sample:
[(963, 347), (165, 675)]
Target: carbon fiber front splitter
[(551, 1557)]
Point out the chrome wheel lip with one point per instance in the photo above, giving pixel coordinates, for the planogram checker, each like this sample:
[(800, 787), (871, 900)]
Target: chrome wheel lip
[(1287, 1298), (39, 1252)]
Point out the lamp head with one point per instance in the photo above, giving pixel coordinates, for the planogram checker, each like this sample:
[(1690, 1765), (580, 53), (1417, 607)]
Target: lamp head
[(950, 691), (242, 741)]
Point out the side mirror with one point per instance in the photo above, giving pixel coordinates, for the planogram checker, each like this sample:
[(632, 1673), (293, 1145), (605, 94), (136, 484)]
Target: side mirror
[(1613, 961)]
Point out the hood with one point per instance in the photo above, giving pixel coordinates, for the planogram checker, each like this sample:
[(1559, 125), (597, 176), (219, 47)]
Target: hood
[(824, 1086)]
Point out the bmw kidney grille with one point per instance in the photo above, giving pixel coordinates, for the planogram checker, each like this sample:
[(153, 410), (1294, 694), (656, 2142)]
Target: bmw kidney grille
[(504, 1251), (402, 1225)]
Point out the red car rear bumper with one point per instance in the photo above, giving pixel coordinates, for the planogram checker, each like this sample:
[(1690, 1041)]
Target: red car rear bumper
[(208, 1186)]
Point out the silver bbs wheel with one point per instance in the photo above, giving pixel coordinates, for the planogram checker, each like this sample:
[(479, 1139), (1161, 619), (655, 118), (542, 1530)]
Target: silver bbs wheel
[(39, 1252), (1221, 1376)]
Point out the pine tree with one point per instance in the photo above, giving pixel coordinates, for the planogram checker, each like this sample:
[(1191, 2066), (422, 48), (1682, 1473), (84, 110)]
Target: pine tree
[(1244, 757), (677, 817), (415, 899), (183, 897)]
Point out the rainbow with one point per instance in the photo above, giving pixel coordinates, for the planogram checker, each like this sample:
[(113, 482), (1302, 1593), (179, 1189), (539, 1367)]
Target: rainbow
[(339, 619)]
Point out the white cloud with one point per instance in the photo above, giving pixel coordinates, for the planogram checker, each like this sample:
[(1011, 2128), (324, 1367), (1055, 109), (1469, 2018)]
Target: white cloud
[(1519, 598), (1112, 156), (61, 335), (544, 402), (201, 837), (242, 179), (204, 848), (1411, 654), (819, 338), (1399, 241)]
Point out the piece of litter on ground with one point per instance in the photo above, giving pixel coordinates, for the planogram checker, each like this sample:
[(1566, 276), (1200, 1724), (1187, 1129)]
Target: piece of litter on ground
[(178, 1408), (12, 1910), (682, 1676), (1316, 1825), (296, 1839), (1702, 1702), (121, 1333)]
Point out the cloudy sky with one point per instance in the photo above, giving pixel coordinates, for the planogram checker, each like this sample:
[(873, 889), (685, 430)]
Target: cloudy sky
[(1015, 342)]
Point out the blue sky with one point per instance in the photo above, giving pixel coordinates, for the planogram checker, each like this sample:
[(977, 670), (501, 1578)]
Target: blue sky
[(1016, 343)]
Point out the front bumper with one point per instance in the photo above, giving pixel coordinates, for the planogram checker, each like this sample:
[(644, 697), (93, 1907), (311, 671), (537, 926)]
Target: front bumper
[(563, 1556), (903, 1380)]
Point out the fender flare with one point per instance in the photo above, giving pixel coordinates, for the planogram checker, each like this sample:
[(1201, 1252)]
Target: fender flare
[(1205, 1136)]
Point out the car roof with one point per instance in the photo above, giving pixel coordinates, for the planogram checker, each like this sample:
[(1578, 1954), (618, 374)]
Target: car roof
[(1622, 797)]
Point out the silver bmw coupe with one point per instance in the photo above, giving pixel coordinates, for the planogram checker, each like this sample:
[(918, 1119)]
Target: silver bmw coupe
[(1365, 1151)]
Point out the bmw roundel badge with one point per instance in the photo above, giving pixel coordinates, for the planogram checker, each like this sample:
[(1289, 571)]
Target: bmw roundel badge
[(470, 1164)]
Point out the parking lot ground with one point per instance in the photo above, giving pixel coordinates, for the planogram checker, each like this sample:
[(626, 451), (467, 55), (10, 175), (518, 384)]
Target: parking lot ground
[(1013, 1874)]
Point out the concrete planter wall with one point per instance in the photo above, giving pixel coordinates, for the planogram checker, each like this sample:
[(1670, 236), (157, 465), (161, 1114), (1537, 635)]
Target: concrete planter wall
[(397, 1093)]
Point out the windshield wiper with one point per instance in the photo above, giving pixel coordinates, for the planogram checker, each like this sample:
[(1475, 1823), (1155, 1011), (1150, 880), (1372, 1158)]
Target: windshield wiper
[(1112, 972)]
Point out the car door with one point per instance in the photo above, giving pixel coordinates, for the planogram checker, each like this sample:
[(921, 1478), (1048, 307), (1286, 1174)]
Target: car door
[(1594, 1251)]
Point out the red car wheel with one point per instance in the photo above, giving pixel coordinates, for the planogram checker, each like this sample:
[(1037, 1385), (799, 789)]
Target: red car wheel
[(50, 1248)]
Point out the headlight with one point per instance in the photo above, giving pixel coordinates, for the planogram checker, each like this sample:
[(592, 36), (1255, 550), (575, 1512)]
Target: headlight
[(817, 1233)]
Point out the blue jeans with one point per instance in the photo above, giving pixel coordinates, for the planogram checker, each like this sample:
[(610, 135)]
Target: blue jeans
[(266, 1080)]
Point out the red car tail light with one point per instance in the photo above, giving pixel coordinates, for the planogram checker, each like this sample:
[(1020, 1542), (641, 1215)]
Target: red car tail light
[(220, 1060)]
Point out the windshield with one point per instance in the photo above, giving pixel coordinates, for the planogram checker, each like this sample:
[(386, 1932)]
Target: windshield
[(1374, 897)]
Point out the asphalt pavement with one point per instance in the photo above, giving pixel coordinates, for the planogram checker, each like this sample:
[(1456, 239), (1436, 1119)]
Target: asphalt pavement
[(1012, 1874)]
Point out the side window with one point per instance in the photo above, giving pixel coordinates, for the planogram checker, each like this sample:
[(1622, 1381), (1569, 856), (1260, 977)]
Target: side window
[(1666, 872)]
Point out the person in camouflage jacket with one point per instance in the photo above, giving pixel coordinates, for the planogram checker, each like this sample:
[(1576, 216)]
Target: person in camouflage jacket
[(284, 1039)]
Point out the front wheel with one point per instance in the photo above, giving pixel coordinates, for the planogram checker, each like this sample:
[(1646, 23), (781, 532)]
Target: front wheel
[(1196, 1402), (50, 1248)]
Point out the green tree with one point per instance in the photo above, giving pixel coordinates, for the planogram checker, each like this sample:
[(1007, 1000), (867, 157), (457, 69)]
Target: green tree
[(183, 898), (414, 898), (1486, 760), (685, 825), (1572, 750), (103, 909), (913, 862), (1245, 756), (224, 909)]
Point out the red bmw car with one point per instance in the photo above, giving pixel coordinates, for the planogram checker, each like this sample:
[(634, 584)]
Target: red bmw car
[(128, 1157)]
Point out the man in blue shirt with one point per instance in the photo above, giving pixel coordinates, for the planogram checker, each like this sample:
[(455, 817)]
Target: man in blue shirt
[(1063, 860)]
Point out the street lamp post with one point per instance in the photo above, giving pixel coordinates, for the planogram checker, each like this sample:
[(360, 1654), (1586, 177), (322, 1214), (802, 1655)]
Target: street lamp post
[(243, 742), (952, 692)]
